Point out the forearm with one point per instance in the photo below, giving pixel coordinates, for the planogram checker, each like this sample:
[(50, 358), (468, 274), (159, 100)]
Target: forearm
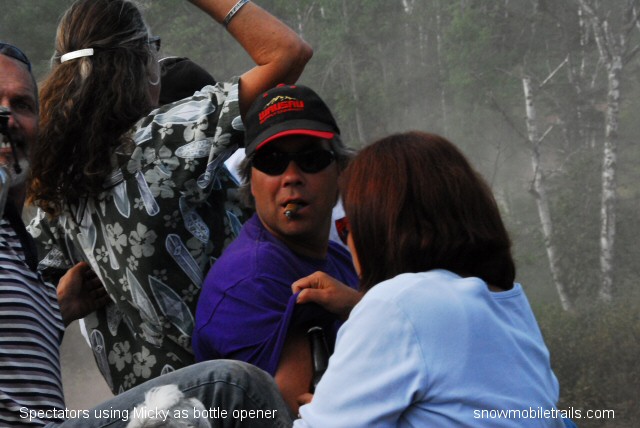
[(295, 371), (279, 53)]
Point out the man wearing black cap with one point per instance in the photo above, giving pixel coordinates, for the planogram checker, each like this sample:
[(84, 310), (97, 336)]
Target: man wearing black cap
[(246, 310)]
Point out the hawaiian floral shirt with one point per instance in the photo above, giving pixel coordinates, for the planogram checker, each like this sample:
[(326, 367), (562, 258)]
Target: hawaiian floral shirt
[(167, 212)]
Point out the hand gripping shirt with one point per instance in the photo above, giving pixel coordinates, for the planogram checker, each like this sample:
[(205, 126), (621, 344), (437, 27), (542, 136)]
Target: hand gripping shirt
[(166, 213), (246, 307)]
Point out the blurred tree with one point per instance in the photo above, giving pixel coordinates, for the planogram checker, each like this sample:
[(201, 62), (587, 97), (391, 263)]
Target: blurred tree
[(611, 32), (456, 68)]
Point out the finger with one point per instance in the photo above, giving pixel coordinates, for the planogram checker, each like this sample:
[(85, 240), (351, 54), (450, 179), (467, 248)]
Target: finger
[(303, 283), (304, 398), (93, 284), (89, 274), (99, 292), (311, 295), (81, 267)]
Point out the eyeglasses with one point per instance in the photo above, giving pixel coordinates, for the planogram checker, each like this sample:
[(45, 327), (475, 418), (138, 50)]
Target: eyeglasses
[(15, 53), (155, 41), (343, 227), (275, 163)]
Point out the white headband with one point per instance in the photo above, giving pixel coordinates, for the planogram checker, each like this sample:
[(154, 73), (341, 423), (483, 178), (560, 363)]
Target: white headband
[(76, 54)]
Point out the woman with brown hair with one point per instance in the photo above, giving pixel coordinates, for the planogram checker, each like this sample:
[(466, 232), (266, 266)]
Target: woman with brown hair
[(442, 336), (135, 190)]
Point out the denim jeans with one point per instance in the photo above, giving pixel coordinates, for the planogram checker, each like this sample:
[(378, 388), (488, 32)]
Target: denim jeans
[(241, 390)]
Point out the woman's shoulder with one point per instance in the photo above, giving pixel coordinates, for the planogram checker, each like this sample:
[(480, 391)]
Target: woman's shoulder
[(436, 290), (430, 282)]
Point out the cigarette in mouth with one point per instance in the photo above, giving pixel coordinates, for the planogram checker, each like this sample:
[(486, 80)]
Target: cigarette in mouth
[(291, 209)]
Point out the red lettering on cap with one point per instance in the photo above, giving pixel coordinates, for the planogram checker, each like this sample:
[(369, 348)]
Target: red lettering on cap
[(279, 108)]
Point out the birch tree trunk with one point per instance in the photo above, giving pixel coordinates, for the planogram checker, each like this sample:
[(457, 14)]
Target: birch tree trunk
[(540, 194), (609, 197), (611, 49)]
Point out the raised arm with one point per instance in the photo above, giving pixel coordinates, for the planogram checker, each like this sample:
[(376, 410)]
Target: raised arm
[(279, 53)]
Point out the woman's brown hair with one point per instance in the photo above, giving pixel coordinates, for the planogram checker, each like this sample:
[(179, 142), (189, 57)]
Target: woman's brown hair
[(88, 104), (415, 204)]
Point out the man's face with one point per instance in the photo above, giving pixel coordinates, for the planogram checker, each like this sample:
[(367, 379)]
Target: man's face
[(18, 94), (314, 193)]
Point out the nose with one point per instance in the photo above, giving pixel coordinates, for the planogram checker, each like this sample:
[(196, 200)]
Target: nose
[(292, 176), (11, 123)]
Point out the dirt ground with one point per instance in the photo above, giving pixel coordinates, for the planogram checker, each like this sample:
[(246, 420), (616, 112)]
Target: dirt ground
[(83, 384)]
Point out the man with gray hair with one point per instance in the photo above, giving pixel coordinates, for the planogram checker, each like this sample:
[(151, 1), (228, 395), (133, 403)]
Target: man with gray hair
[(33, 314), (246, 310)]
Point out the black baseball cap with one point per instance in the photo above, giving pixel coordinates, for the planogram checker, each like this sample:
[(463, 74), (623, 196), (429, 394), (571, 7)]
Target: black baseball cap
[(287, 110)]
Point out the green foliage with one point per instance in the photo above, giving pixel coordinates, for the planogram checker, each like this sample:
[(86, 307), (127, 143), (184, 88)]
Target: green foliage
[(594, 354), (31, 25), (455, 67), (575, 205)]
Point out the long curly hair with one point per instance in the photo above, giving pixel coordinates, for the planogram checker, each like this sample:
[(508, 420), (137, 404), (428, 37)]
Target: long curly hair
[(89, 104)]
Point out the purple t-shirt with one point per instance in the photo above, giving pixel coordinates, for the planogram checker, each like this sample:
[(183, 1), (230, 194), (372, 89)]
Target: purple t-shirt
[(246, 306)]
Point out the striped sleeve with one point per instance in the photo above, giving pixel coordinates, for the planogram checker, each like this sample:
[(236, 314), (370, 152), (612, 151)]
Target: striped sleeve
[(30, 333)]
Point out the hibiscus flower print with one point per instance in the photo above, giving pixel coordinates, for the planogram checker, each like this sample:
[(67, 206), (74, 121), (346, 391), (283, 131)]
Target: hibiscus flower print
[(196, 130), (102, 255), (138, 204), (140, 158), (120, 355), (142, 363), (191, 164), (160, 185), (133, 263), (190, 293), (161, 274), (124, 284), (117, 238), (166, 130), (171, 221), (192, 191), (168, 161), (142, 240), (129, 380), (197, 248)]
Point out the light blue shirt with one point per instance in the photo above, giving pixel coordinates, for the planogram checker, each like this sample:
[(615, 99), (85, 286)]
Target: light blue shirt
[(433, 349)]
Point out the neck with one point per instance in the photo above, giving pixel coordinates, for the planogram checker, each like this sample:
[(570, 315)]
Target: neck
[(305, 248), (313, 244)]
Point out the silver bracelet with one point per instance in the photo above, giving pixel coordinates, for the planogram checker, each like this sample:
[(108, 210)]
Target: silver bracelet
[(233, 11)]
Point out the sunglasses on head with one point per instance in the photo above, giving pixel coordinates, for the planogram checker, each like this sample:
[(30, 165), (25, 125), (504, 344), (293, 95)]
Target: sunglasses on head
[(15, 53), (275, 163), (155, 42)]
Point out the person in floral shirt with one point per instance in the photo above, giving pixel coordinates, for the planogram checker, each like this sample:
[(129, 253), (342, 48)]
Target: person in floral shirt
[(139, 192)]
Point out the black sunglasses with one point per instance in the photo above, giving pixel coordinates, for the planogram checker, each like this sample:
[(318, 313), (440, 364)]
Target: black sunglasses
[(275, 163), (15, 53), (155, 41)]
